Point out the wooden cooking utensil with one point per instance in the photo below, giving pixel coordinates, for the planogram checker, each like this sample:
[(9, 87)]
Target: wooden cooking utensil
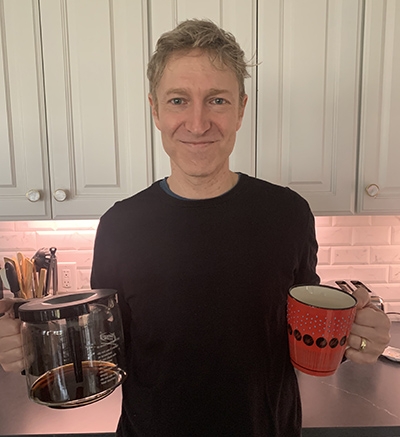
[(18, 269), (28, 269), (42, 279)]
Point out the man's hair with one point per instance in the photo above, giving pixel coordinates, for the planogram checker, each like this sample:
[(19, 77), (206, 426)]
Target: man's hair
[(221, 46)]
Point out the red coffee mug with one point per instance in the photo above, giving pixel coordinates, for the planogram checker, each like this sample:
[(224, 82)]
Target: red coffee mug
[(319, 321)]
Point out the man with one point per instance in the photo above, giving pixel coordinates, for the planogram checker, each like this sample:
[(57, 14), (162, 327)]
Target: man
[(203, 261)]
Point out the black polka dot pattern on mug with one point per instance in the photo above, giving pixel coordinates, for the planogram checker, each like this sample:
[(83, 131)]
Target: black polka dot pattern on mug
[(321, 342), (312, 329)]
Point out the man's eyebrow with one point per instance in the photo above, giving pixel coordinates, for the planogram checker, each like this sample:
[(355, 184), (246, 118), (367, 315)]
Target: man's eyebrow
[(210, 92), (176, 91), (215, 91)]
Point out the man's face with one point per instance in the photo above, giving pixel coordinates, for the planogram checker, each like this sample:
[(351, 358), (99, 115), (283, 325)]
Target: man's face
[(198, 113)]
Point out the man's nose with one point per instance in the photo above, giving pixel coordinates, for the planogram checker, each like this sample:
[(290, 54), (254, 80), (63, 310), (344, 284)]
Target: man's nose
[(198, 119)]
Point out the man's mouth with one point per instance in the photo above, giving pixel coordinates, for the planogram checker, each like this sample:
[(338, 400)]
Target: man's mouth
[(197, 143)]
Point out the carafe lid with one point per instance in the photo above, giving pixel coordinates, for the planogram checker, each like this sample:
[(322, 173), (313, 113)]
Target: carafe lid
[(65, 306)]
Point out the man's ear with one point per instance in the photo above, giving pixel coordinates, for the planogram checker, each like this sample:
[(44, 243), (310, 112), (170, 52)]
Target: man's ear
[(241, 111), (154, 109)]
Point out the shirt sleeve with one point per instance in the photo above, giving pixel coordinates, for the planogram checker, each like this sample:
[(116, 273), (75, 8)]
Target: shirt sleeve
[(106, 266), (104, 272), (306, 272)]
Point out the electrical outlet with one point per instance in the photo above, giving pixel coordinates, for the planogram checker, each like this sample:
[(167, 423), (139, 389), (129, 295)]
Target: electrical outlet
[(66, 276)]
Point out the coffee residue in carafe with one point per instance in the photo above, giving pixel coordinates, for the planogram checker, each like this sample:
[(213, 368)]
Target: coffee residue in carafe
[(59, 387)]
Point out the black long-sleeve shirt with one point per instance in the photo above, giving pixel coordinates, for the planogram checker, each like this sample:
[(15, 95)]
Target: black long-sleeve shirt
[(203, 286)]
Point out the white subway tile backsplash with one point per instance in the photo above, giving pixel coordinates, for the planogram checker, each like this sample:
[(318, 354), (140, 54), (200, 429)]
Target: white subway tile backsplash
[(387, 291), (367, 274), (77, 224), (371, 235), (45, 225), (57, 225), (83, 258), (385, 220), (84, 278), (324, 255), (323, 221), (385, 255), (69, 240), (371, 274), (394, 274), (7, 226), (396, 235), (330, 236), (350, 255), (17, 241), (352, 220), (331, 273)]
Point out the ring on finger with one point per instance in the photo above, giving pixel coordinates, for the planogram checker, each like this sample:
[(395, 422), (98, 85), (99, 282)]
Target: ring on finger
[(363, 344)]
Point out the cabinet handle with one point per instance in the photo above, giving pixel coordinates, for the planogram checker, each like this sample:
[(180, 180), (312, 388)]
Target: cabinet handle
[(372, 190), (60, 195), (33, 195)]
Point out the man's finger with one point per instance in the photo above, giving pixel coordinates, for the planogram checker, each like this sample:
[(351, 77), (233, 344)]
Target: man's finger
[(362, 296), (9, 326), (360, 357), (372, 317), (9, 343), (15, 366)]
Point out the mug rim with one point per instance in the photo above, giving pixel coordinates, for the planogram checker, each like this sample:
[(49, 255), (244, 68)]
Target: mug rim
[(326, 287)]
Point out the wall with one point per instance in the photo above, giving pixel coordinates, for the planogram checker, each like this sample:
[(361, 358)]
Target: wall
[(366, 248), (73, 239), (355, 247)]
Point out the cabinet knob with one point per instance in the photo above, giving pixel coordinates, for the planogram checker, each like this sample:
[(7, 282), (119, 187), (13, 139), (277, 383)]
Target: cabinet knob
[(33, 195), (60, 195), (372, 190)]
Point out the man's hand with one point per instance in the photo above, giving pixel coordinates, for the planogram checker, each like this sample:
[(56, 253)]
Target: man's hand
[(11, 355), (369, 334)]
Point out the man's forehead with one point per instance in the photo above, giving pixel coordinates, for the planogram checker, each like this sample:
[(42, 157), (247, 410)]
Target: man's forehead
[(179, 74), (211, 55)]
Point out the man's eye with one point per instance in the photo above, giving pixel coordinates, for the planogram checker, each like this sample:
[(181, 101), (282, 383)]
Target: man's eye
[(177, 101), (219, 101)]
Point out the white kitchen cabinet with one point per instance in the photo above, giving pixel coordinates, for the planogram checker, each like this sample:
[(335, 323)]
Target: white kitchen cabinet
[(379, 176), (96, 122), (94, 54), (23, 147), (308, 85), (237, 17)]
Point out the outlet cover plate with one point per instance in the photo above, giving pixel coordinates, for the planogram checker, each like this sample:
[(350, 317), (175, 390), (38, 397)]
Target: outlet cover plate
[(63, 269)]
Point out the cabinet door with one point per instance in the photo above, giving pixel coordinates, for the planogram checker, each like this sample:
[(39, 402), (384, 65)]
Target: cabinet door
[(308, 85), (23, 155), (379, 180), (237, 17), (94, 54)]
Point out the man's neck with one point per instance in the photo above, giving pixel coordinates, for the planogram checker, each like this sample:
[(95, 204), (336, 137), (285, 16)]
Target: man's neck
[(199, 187)]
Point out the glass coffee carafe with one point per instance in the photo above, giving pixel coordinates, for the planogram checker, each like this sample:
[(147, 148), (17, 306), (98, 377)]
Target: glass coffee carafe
[(73, 347)]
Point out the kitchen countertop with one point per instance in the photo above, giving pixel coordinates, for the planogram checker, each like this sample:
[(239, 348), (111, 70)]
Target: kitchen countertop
[(363, 400), (358, 400)]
